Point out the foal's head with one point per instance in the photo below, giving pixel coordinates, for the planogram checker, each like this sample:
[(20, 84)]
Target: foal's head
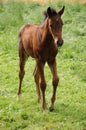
[(55, 24)]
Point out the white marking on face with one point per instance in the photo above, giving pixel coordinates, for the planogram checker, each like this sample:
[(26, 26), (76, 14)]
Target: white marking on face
[(55, 39)]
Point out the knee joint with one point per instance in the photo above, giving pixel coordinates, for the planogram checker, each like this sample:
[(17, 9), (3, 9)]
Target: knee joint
[(43, 86), (55, 82)]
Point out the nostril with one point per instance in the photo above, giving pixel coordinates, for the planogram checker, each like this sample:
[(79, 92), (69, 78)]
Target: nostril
[(60, 43)]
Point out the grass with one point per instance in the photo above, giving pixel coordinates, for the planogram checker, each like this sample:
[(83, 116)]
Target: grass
[(70, 106)]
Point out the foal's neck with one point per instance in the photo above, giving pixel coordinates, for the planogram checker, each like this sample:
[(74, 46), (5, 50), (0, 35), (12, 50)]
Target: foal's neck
[(46, 35)]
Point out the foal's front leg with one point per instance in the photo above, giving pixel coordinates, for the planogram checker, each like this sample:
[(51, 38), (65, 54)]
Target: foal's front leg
[(42, 82), (55, 81)]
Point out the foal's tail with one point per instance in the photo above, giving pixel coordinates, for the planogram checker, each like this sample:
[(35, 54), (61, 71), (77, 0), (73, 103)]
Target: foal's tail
[(21, 49), (20, 43)]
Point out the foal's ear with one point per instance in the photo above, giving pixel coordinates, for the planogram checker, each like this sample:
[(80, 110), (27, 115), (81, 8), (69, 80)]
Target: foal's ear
[(49, 11), (61, 11)]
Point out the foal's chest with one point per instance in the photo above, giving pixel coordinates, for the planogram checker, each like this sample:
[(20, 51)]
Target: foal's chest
[(48, 52)]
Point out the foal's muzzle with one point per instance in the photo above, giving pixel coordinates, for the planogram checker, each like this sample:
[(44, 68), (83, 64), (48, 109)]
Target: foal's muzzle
[(60, 43)]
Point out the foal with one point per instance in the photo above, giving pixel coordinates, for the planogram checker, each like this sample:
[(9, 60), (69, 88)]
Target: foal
[(41, 42)]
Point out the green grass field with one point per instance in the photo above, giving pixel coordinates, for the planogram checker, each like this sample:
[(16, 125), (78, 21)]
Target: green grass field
[(70, 105)]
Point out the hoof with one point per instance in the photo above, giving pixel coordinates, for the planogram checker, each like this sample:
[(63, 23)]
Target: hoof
[(51, 109)]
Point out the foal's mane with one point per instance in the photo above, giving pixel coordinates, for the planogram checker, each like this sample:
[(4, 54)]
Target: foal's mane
[(54, 12)]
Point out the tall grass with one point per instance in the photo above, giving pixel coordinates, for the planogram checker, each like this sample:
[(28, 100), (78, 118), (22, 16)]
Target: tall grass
[(70, 106)]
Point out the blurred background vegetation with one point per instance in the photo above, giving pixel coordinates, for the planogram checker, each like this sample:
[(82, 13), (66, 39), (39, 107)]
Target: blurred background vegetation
[(70, 106)]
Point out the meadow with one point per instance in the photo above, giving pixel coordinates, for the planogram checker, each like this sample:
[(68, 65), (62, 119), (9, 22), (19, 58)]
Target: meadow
[(70, 105)]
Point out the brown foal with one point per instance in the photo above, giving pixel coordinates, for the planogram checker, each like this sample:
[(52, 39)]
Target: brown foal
[(41, 42)]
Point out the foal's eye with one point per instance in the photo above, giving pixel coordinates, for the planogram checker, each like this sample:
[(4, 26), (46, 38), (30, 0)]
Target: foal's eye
[(57, 22)]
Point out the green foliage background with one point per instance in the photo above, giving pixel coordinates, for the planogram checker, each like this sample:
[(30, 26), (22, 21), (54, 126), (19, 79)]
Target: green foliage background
[(70, 105)]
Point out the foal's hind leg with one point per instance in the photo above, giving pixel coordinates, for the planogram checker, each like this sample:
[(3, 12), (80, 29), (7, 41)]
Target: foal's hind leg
[(36, 77), (22, 60)]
